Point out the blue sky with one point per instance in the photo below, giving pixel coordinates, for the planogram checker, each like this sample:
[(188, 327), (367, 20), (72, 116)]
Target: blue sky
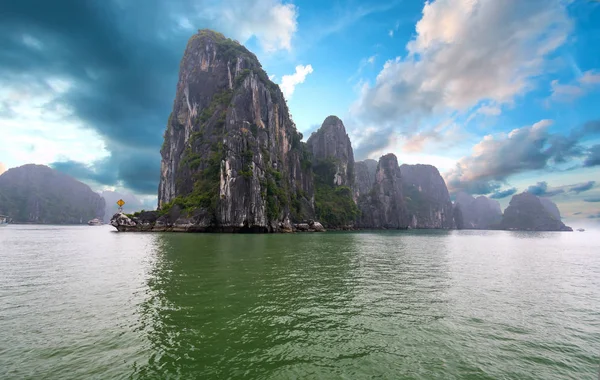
[(502, 96)]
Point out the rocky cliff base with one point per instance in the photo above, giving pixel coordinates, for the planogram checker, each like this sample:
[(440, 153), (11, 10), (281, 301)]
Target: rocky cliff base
[(153, 221)]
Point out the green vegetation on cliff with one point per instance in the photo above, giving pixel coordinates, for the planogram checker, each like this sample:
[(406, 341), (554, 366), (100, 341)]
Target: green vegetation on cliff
[(206, 184), (333, 204)]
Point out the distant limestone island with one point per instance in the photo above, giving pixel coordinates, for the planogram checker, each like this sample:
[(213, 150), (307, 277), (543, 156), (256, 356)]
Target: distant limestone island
[(233, 161), (37, 194)]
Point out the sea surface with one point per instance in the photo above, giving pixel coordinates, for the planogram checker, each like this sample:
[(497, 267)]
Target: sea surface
[(91, 303)]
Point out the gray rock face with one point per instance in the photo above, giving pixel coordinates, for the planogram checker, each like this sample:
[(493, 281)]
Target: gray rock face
[(39, 194), (232, 157), (365, 177), (332, 142), (426, 197), (174, 221), (477, 213), (550, 207), (383, 206), (527, 213)]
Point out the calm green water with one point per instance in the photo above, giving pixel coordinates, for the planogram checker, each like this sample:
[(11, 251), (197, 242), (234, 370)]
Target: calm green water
[(86, 302)]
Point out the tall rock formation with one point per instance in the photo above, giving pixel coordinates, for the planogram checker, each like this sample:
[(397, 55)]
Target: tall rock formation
[(39, 194), (383, 206), (426, 196), (232, 158), (476, 213), (333, 168), (331, 142), (526, 212), (364, 178)]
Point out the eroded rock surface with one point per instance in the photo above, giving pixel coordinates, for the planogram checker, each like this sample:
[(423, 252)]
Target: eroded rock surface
[(232, 157), (526, 212), (426, 196)]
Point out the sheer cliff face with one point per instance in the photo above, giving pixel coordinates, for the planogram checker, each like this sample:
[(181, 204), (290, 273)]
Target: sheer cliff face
[(527, 212), (232, 156), (383, 206), (478, 213), (365, 177), (426, 195), (331, 142), (39, 194)]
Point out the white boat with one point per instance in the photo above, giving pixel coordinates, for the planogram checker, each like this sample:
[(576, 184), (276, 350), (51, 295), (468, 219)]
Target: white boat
[(95, 222), (3, 220)]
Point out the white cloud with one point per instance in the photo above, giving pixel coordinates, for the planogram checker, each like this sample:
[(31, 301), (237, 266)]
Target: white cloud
[(2, 168), (272, 22), (590, 77), (498, 157), (30, 124), (465, 52), (391, 33), (572, 91), (289, 82)]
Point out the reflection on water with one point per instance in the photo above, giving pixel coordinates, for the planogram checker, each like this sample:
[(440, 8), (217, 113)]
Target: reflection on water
[(410, 304), (232, 305)]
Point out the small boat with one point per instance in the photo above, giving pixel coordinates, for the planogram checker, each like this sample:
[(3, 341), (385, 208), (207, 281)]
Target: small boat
[(95, 222), (580, 229), (3, 220)]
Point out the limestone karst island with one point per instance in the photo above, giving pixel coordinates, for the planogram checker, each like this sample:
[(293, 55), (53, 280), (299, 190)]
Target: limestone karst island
[(233, 161), (300, 189)]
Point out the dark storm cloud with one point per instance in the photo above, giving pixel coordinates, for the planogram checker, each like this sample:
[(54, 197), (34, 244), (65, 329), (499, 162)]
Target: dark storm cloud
[(581, 187), (134, 169), (122, 75), (541, 189), (503, 193), (121, 60)]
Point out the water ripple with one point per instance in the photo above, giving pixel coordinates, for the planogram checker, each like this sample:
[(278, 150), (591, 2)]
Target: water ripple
[(79, 302)]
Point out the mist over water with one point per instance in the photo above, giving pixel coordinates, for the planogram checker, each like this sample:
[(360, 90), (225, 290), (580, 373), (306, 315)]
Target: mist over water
[(86, 302)]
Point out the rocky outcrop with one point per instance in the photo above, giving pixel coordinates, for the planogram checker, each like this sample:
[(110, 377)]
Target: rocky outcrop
[(232, 158), (132, 203), (331, 143), (550, 207), (176, 221), (383, 206), (39, 194), (526, 212), (476, 213), (426, 196), (233, 161), (365, 177)]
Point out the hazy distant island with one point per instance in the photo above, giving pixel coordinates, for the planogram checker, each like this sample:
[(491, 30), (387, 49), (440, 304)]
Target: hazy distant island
[(41, 195), (233, 161)]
